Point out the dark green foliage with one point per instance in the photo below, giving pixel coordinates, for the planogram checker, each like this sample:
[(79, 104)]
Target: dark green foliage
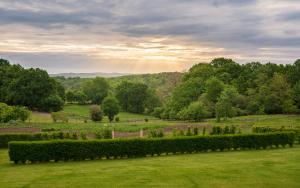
[(96, 90), (5, 138), (195, 131), (281, 129), (156, 133), (132, 97), (146, 119), (80, 150), (29, 87), (110, 107), (96, 113), (218, 130), (104, 134), (257, 88), (76, 97), (117, 119)]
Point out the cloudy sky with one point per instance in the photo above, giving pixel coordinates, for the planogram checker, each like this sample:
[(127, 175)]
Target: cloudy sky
[(138, 36)]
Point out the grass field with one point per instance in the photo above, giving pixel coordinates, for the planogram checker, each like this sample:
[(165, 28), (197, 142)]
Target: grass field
[(263, 168), (134, 122)]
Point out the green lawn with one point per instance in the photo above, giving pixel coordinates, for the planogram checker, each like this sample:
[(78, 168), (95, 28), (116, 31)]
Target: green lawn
[(263, 168)]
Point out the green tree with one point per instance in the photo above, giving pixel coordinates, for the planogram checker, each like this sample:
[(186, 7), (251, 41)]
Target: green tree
[(96, 90), (132, 96), (110, 107), (225, 104)]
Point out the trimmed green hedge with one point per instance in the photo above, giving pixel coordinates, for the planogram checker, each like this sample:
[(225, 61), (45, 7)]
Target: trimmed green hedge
[(64, 150), (6, 138)]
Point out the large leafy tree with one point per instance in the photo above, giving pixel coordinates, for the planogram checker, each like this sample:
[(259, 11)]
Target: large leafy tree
[(96, 90), (29, 87), (132, 96)]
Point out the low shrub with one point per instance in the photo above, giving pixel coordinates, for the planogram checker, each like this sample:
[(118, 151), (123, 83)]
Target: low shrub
[(96, 113), (103, 134), (156, 133), (218, 130), (60, 117), (65, 150)]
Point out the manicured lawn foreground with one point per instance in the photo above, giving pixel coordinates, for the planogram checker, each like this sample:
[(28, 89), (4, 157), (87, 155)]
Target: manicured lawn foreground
[(65, 150), (255, 168)]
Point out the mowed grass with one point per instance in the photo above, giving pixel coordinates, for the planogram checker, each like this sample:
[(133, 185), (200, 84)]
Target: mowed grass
[(262, 168), (84, 111)]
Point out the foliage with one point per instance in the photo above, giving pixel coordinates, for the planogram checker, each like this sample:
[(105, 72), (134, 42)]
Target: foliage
[(96, 90), (196, 111), (8, 113), (156, 133), (96, 113), (52, 103), (218, 130), (76, 97), (60, 117), (8, 137), (27, 87), (80, 150), (225, 104), (110, 107), (258, 89), (132, 97)]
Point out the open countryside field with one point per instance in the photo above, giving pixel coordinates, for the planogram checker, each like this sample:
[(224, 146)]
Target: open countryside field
[(135, 122), (262, 168)]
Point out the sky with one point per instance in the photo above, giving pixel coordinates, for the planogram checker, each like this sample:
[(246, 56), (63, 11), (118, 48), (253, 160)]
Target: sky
[(146, 36)]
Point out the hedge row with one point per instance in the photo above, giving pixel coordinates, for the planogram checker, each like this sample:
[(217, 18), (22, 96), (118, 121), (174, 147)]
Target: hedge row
[(64, 150), (6, 138)]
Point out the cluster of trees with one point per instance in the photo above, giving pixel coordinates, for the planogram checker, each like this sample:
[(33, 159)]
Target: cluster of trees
[(29, 87), (132, 97), (225, 89), (8, 113)]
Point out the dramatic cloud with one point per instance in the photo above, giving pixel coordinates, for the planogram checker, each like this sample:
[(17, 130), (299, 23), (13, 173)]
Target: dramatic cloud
[(146, 36)]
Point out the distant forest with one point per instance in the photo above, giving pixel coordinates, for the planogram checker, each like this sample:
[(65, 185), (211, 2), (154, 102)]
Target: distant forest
[(221, 89)]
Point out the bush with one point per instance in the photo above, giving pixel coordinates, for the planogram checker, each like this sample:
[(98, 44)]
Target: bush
[(96, 113), (217, 130), (8, 113), (156, 133), (60, 117), (117, 119), (81, 150), (104, 134)]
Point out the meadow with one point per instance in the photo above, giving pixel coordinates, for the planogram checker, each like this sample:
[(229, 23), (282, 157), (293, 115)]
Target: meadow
[(262, 168), (130, 122)]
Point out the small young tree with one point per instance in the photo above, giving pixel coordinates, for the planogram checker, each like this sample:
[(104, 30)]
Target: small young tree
[(110, 107), (96, 113)]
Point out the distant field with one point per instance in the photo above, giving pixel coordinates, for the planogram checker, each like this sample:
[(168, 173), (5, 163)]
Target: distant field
[(135, 122), (263, 168)]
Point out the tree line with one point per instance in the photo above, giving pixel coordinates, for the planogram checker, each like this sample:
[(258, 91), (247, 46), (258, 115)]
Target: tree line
[(224, 88)]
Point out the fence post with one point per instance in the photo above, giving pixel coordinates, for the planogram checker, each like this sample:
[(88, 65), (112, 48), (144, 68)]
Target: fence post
[(113, 133), (141, 133)]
